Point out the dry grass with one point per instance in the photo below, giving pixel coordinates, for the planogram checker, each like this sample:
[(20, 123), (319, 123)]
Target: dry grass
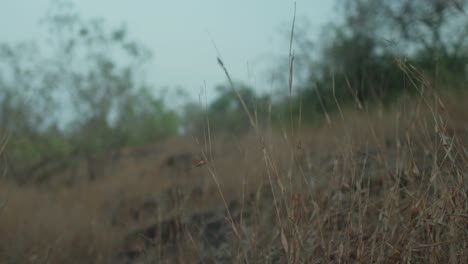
[(382, 186)]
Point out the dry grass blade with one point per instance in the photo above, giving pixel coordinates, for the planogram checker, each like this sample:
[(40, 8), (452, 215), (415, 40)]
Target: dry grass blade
[(3, 144), (284, 241), (244, 106), (291, 54)]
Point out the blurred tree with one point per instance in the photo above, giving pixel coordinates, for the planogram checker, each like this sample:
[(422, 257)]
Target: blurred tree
[(78, 94), (358, 58), (433, 33), (193, 119), (143, 118), (226, 112)]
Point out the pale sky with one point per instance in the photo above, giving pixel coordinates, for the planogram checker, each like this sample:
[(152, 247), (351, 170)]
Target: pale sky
[(250, 34)]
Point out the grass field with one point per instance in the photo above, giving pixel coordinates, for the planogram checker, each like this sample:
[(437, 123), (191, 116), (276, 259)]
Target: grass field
[(379, 185)]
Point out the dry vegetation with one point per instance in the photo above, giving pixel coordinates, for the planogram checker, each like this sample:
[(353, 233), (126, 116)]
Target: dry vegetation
[(381, 186), (370, 185)]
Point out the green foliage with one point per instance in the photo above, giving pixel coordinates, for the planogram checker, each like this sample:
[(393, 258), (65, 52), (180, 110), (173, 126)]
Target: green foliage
[(226, 111), (76, 95), (358, 61), (144, 119), (193, 119), (360, 68)]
